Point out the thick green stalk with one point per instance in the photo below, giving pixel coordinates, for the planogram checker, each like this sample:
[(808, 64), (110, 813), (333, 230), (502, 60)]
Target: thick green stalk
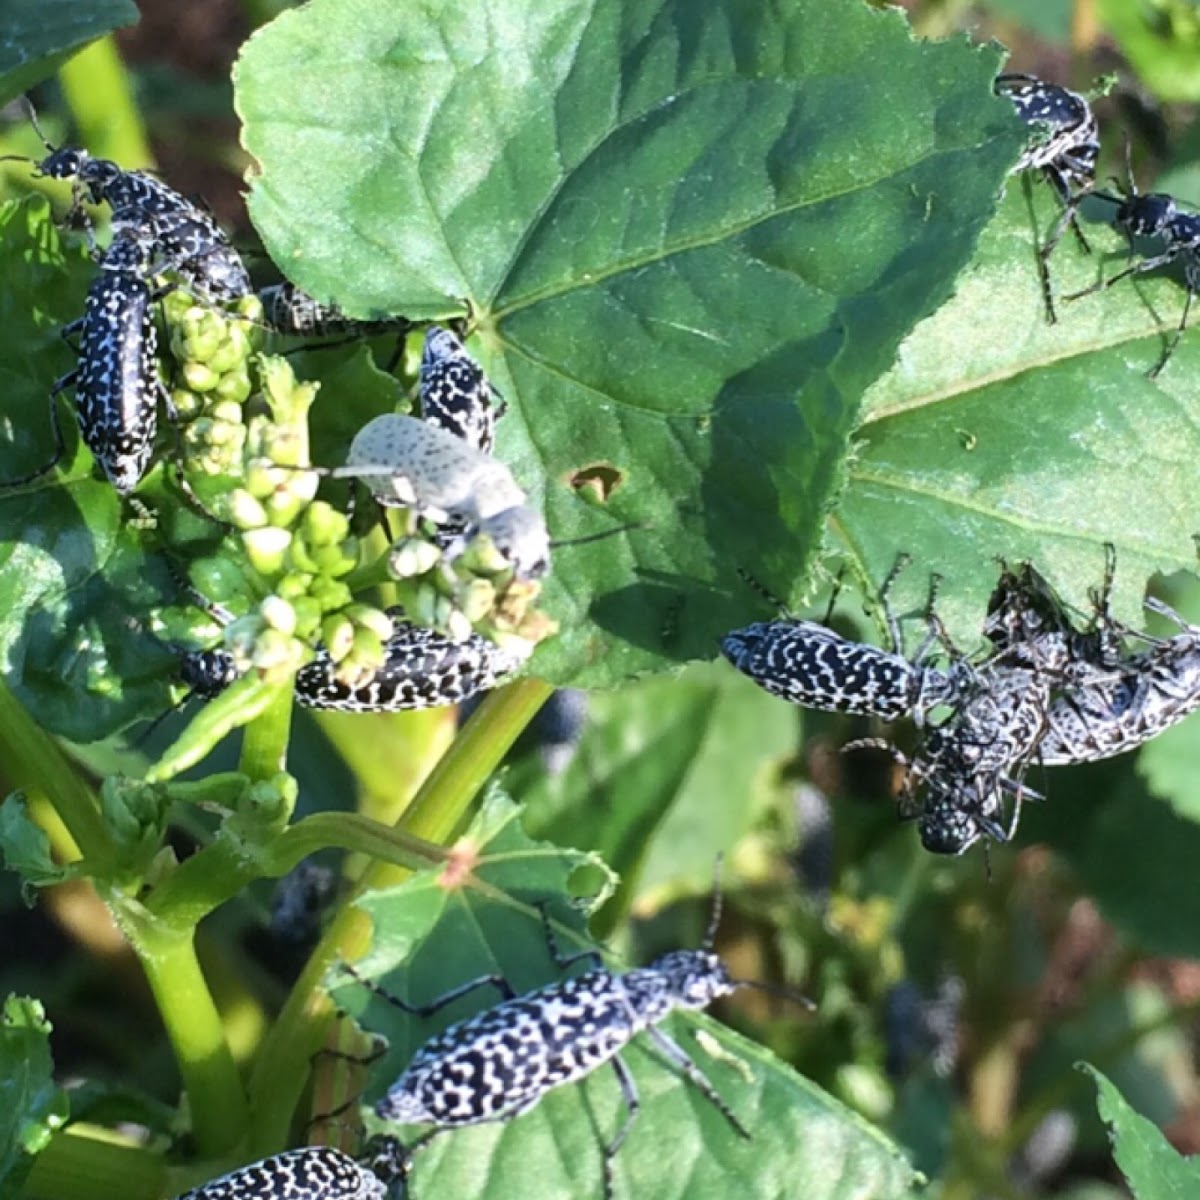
[(216, 1099), (96, 87), (445, 797), (33, 761), (223, 869), (436, 812), (265, 739)]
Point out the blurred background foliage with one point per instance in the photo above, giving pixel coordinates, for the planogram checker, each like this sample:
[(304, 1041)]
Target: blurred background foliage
[(954, 997)]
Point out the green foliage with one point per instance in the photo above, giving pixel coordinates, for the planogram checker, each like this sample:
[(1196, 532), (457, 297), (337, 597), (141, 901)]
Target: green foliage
[(1044, 442), (32, 1106), (788, 183), (668, 773), (40, 35), (435, 931), (745, 275), (1154, 1171)]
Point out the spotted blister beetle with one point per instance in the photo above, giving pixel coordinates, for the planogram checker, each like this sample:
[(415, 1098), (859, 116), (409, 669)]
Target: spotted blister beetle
[(455, 394), (1064, 147), (502, 1061), (422, 669), (180, 235), (313, 1173), (1157, 215), (116, 384), (808, 663)]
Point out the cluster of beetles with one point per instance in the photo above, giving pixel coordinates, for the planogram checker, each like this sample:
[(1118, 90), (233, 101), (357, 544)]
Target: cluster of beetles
[(1052, 687)]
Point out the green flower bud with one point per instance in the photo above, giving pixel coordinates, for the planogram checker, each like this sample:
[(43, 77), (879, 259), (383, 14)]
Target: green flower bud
[(278, 614), (330, 594), (308, 616), (267, 548), (245, 511), (301, 559), (323, 525), (412, 556), (372, 618), (199, 377), (187, 404), (477, 599), (235, 386), (337, 636), (333, 560), (294, 584)]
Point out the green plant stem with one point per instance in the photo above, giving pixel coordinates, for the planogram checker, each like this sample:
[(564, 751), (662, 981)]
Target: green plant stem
[(33, 761), (216, 1099), (265, 740), (436, 812), (96, 87), (221, 870), (439, 807), (77, 1167)]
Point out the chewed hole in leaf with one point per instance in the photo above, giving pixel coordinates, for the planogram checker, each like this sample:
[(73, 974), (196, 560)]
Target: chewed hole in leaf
[(598, 480)]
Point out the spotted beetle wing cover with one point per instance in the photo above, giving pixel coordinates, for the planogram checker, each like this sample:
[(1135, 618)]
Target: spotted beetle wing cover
[(444, 927), (685, 265)]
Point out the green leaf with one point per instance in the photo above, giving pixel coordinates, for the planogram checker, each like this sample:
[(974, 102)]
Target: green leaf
[(32, 1107), (666, 775), (431, 934), (26, 848), (690, 236), (1154, 1170), (40, 35), (998, 434), (1161, 39)]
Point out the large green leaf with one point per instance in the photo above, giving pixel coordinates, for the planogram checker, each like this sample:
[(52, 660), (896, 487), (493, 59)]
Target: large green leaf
[(999, 434), (1153, 1169), (40, 35), (666, 775), (690, 236), (31, 1105), (435, 932)]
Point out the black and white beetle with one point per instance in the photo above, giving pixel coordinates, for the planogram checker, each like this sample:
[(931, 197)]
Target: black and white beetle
[(117, 389), (1157, 215), (809, 664), (179, 234), (1065, 152), (422, 669), (502, 1061), (313, 1173)]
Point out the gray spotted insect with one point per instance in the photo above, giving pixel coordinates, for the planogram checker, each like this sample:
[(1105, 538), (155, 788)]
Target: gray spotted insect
[(313, 1173), (1152, 690), (117, 389), (504, 1060), (423, 669), (1065, 150), (179, 235), (808, 663), (406, 462)]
